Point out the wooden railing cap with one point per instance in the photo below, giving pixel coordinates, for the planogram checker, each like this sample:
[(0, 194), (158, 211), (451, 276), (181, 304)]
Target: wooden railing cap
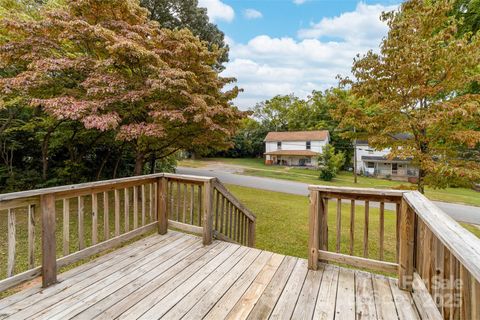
[(360, 191)]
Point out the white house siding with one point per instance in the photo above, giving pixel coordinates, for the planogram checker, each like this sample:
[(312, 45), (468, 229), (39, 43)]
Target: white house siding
[(365, 150), (316, 146)]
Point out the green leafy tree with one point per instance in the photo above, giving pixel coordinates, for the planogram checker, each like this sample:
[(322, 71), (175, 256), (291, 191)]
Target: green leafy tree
[(330, 162), (415, 86)]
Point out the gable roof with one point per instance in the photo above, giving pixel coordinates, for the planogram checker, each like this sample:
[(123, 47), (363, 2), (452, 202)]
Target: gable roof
[(318, 135)]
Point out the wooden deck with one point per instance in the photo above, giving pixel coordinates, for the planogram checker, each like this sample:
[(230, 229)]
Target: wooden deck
[(174, 276)]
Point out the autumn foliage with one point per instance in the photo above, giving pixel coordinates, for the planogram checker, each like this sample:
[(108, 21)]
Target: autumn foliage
[(104, 64), (417, 86)]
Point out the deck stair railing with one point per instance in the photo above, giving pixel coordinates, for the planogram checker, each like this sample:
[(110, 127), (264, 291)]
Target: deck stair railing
[(434, 256), (50, 228)]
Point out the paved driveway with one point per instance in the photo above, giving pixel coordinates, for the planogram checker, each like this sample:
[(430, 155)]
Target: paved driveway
[(459, 212)]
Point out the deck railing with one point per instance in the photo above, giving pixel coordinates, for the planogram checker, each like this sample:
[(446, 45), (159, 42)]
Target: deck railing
[(434, 256), (54, 227)]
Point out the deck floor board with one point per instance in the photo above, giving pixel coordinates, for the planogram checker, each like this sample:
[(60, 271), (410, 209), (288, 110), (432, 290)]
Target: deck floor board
[(174, 276)]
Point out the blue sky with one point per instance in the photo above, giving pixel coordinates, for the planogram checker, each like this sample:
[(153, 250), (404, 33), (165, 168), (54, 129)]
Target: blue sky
[(294, 46)]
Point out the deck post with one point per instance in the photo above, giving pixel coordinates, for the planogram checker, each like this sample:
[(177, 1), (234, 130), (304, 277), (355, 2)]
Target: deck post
[(251, 233), (314, 231), (208, 213), (407, 241), (162, 216), (49, 258)]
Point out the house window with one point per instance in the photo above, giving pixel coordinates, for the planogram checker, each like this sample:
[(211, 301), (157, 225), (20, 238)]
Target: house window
[(370, 165), (279, 145), (309, 145)]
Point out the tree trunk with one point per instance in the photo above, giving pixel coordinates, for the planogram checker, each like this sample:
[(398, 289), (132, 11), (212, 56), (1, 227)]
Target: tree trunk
[(152, 163), (421, 181), (45, 143), (139, 162)]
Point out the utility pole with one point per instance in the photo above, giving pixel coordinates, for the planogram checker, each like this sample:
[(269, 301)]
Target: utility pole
[(355, 156)]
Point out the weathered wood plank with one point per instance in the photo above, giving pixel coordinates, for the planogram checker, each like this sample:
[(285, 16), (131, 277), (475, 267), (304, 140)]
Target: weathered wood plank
[(126, 209), (208, 214), (403, 300), (365, 229), (94, 218), (12, 242), (339, 224), (31, 236), (66, 227), (286, 303), (352, 226), (345, 303), (364, 296), (81, 222), (106, 216), (305, 305), (424, 302), (135, 207), (358, 262), (314, 231), (267, 301), (384, 303), (49, 259), (162, 205), (382, 230), (117, 212), (144, 205), (407, 251), (325, 305), (219, 308)]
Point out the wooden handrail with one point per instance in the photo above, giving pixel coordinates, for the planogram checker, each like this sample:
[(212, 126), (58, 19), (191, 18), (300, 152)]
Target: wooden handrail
[(137, 205), (461, 243), (434, 252)]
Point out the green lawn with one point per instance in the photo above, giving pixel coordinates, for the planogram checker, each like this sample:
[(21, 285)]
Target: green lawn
[(282, 224), (256, 167)]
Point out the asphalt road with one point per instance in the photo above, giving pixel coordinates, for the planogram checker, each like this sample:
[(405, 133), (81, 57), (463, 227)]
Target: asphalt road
[(459, 212)]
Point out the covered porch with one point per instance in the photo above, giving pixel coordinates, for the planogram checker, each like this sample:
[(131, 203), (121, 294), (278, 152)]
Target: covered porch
[(384, 168), (292, 158)]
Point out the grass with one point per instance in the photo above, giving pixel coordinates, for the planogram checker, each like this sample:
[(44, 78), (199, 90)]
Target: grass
[(256, 167)]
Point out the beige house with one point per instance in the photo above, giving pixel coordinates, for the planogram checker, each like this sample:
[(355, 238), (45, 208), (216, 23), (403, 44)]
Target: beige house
[(295, 148)]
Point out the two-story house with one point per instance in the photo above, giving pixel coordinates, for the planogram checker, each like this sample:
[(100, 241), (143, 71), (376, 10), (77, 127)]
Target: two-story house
[(376, 163), (295, 148)]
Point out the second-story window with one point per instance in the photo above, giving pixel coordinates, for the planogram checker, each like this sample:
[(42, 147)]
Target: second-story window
[(309, 145), (279, 145)]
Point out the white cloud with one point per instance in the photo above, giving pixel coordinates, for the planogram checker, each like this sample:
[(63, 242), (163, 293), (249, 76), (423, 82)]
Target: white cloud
[(360, 25), (252, 14), (267, 66), (217, 10)]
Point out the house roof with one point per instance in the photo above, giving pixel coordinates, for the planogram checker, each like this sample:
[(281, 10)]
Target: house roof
[(383, 159), (318, 135), (292, 153)]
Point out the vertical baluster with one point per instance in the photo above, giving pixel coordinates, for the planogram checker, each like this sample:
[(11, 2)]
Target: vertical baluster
[(151, 202), (365, 233), (323, 210), (192, 202), (230, 219), (467, 299), (172, 206), (31, 236), (94, 218), (162, 202), (143, 205), (222, 214), (179, 202), (127, 209), (155, 201), (81, 223), (49, 244), (184, 205), (397, 214), (117, 212), (382, 229), (339, 223), (106, 216), (352, 226), (66, 227), (217, 209), (200, 204), (11, 243), (439, 273), (235, 227), (135, 207), (314, 229), (243, 230)]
